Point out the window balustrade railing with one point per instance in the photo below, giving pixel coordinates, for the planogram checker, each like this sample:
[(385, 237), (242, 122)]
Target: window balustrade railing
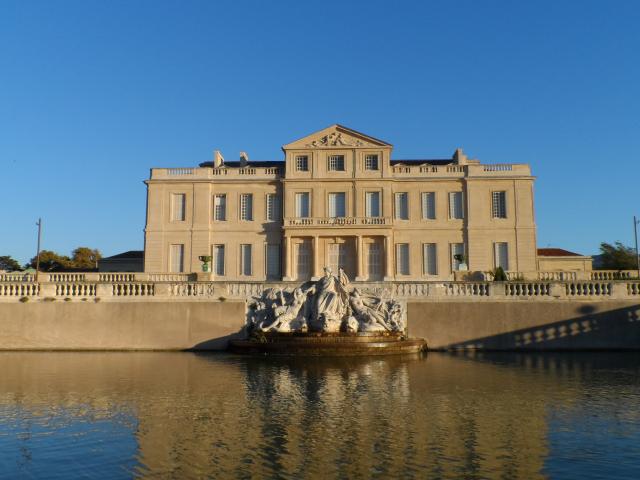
[(338, 221)]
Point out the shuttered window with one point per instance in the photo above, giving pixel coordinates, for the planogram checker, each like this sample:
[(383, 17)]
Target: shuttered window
[(273, 261), (220, 207), (402, 205), (372, 204), (456, 249), (402, 259), (374, 261), (337, 205), (456, 205), (273, 207), (218, 260), (429, 259), (178, 207), (501, 254), (302, 205), (246, 206), (245, 259), (429, 205), (303, 260), (176, 258), (499, 204)]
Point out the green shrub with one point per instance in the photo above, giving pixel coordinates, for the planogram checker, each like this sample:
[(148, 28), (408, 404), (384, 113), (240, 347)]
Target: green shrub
[(24, 299), (67, 299), (499, 275), (222, 299), (48, 299), (97, 299)]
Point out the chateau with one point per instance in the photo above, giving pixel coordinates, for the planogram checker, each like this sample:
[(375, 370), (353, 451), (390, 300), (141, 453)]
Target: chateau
[(340, 199)]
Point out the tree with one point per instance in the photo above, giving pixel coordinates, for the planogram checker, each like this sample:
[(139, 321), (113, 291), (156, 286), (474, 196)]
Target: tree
[(617, 257), (50, 261), (9, 264), (85, 257)]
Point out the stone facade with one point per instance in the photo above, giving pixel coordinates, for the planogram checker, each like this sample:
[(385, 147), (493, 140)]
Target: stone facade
[(339, 199)]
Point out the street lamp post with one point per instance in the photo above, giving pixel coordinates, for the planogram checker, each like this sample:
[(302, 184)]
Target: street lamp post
[(635, 231), (39, 224)]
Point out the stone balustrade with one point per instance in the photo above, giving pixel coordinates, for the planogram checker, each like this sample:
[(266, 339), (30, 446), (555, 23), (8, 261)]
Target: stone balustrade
[(459, 171), (592, 290), (211, 173)]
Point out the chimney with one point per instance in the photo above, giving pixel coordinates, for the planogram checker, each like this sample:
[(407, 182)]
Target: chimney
[(459, 157), (218, 159), (244, 159)]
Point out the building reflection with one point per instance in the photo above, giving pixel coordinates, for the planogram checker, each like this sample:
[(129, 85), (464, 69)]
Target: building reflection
[(439, 416)]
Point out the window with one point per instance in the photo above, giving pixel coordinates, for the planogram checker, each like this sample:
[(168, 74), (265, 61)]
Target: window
[(337, 205), (456, 249), (428, 205), (336, 163), (374, 261), (456, 207), (302, 205), (178, 203), (429, 259), (402, 259), (273, 261), (372, 204), (337, 256), (499, 204), (176, 258), (245, 259), (303, 260), (273, 207), (246, 206), (402, 206), (501, 254), (371, 162), (302, 163), (220, 207), (218, 260)]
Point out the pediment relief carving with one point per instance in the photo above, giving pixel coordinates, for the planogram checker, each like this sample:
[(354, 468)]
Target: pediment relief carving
[(338, 139)]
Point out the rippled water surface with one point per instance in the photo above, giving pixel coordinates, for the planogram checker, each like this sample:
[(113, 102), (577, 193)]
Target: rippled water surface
[(182, 415)]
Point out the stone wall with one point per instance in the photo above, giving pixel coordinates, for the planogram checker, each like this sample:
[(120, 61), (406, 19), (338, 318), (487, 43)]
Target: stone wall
[(151, 325), (208, 325), (512, 325)]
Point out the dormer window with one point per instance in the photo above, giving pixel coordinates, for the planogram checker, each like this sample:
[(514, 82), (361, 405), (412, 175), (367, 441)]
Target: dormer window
[(302, 163), (371, 162), (336, 163)]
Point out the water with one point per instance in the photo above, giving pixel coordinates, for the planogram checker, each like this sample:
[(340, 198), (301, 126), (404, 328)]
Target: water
[(181, 415)]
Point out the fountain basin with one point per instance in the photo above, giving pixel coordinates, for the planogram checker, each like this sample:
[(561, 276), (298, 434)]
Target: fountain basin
[(328, 344)]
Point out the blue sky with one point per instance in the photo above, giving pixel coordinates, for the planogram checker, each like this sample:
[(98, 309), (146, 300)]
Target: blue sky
[(94, 93)]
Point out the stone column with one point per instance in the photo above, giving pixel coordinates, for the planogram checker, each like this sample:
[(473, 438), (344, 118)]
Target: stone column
[(315, 268), (359, 258), (388, 258), (286, 258)]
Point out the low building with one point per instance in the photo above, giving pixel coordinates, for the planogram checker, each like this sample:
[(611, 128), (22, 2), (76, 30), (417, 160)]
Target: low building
[(339, 198), (560, 260), (130, 261)]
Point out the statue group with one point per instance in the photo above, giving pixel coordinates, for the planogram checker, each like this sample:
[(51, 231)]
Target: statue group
[(330, 304)]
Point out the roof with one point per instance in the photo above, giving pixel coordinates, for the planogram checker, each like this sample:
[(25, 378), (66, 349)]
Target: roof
[(557, 252), (249, 164), (127, 254), (423, 161)]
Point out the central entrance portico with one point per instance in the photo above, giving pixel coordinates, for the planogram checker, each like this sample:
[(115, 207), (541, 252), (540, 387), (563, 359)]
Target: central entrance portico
[(364, 257)]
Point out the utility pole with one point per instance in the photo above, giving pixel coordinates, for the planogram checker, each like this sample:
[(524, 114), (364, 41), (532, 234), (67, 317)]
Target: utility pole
[(39, 224), (635, 231)]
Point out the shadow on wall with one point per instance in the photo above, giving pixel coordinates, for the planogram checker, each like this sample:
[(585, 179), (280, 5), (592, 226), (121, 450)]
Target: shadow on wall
[(613, 329), (218, 343)]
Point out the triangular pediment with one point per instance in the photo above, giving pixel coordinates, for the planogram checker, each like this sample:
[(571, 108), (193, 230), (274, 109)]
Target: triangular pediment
[(336, 136)]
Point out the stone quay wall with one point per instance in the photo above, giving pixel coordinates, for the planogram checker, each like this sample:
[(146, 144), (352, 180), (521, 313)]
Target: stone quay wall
[(169, 312)]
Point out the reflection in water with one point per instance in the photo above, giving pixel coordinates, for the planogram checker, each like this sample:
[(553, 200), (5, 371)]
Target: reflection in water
[(438, 416)]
